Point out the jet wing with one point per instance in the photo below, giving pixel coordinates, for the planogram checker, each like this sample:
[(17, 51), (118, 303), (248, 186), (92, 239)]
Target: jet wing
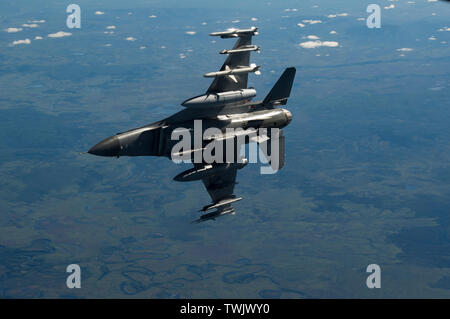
[(234, 61), (220, 187)]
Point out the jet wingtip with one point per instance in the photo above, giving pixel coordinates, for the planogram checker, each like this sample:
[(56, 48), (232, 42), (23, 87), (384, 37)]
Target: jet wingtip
[(214, 215)]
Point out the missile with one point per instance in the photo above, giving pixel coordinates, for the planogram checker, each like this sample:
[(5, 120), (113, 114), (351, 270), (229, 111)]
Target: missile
[(220, 98), (240, 70), (234, 33), (214, 215), (189, 152), (241, 49), (197, 173), (220, 203)]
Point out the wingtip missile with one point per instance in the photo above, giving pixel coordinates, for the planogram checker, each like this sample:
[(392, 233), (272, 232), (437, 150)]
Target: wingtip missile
[(214, 215), (234, 33), (220, 203)]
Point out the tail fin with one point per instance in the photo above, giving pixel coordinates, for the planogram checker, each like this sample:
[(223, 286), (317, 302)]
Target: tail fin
[(282, 89)]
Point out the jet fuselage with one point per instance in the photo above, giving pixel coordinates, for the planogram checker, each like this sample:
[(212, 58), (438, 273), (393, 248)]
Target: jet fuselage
[(155, 139)]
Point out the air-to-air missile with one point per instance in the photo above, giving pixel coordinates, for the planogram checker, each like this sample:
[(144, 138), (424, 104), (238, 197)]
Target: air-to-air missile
[(222, 202), (216, 214), (234, 33), (240, 70), (197, 173), (244, 48), (220, 98)]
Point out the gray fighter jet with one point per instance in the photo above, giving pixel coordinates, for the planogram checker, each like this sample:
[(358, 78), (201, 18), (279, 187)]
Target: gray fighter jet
[(226, 106)]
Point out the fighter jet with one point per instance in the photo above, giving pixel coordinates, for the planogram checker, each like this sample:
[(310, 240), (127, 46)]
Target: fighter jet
[(226, 106)]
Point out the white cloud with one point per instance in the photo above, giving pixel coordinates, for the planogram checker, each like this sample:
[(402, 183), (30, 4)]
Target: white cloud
[(333, 32), (391, 6), (432, 0), (107, 44), (33, 25), (111, 27), (361, 19), (317, 44), (130, 39), (301, 25), (26, 41), (310, 44), (432, 38), (204, 23), (331, 44), (235, 21), (13, 30), (313, 37), (59, 34), (152, 16), (337, 15), (312, 21), (142, 47), (444, 29), (405, 50), (38, 38), (99, 13), (254, 19), (37, 21), (191, 32)]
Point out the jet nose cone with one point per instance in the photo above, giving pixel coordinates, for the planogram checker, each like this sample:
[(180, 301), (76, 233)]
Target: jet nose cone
[(108, 147), (288, 116)]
